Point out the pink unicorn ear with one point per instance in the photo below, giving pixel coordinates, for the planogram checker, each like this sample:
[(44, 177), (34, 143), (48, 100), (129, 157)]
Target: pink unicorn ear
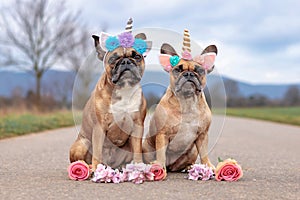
[(206, 60), (103, 38), (164, 60), (209, 60)]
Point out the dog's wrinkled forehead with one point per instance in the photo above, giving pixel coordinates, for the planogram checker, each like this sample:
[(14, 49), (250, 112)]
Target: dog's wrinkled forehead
[(123, 53), (187, 65)]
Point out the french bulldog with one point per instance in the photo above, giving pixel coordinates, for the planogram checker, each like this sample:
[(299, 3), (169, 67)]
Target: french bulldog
[(179, 127), (113, 118)]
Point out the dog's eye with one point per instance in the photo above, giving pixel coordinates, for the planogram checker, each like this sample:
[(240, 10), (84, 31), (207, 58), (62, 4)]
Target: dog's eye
[(136, 56), (178, 69), (113, 59), (199, 70)]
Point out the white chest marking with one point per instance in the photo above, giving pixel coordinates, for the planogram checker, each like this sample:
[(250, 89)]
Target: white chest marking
[(131, 99)]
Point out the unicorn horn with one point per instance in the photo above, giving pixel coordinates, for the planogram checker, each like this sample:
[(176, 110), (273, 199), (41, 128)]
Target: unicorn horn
[(186, 41), (129, 25)]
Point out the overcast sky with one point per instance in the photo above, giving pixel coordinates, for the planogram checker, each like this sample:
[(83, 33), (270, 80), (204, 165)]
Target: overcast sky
[(258, 40)]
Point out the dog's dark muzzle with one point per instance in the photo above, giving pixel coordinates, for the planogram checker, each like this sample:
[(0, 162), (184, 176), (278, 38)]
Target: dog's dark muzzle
[(126, 67), (186, 77)]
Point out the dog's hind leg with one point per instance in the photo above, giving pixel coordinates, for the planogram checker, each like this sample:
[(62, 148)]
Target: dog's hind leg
[(184, 161), (80, 150)]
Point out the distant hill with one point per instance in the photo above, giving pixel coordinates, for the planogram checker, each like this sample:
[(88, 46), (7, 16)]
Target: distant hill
[(153, 82)]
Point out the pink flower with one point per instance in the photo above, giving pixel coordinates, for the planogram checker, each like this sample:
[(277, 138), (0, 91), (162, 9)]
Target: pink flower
[(158, 171), (124, 175), (228, 170), (187, 55), (136, 177), (100, 174), (200, 172), (118, 177), (79, 170), (109, 174)]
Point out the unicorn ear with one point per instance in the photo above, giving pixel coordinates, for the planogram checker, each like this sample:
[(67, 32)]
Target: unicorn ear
[(103, 38), (164, 60), (207, 58)]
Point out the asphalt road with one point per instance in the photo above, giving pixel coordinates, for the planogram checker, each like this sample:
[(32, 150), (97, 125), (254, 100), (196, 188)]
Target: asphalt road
[(35, 167)]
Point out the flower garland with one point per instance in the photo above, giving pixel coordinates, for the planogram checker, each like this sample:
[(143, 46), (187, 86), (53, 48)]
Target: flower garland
[(126, 40), (227, 170), (136, 173)]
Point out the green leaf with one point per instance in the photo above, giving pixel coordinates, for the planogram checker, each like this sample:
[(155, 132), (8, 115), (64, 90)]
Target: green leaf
[(219, 159)]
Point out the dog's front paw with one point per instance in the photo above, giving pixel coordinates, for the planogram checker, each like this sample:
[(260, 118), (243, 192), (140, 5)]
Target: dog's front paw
[(138, 160), (186, 169), (95, 163), (207, 162)]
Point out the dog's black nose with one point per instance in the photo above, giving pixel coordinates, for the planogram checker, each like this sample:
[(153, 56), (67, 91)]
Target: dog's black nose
[(188, 74), (126, 61)]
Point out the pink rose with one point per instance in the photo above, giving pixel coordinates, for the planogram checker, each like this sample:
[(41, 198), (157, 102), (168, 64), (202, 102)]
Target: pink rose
[(79, 170), (158, 171), (228, 170), (186, 55)]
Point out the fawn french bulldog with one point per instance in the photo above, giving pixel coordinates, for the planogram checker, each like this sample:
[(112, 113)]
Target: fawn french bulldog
[(113, 118), (178, 130)]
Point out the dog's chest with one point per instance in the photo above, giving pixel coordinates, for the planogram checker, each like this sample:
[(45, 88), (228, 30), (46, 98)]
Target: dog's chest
[(187, 131), (126, 100)]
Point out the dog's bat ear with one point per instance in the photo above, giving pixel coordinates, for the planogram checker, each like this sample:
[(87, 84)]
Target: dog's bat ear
[(168, 49), (149, 43), (98, 47), (141, 36), (210, 49)]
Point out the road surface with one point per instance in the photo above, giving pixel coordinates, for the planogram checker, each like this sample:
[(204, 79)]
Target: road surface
[(35, 167)]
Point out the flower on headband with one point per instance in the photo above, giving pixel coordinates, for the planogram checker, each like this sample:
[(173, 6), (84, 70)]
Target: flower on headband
[(187, 55), (112, 43), (174, 60), (126, 39), (140, 45)]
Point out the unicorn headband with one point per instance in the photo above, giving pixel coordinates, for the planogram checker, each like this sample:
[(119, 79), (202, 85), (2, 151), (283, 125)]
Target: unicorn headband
[(125, 40), (206, 59)]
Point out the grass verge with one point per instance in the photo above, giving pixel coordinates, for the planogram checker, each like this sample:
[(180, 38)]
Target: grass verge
[(287, 115), (20, 124)]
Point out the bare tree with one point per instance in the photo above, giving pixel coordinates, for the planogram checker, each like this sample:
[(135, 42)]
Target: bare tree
[(35, 34), (80, 48), (292, 96)]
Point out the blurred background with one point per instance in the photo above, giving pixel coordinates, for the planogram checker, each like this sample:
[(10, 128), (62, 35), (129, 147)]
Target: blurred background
[(45, 43)]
